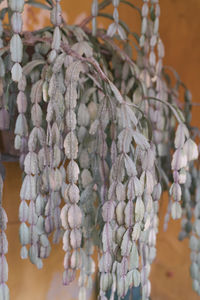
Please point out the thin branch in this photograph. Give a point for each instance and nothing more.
(195, 103)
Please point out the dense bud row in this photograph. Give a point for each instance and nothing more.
(71, 215)
(116, 27)
(4, 291)
(16, 45)
(94, 10)
(194, 238)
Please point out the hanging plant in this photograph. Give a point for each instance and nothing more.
(100, 135)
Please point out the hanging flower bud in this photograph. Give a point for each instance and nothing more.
(179, 160)
(191, 150)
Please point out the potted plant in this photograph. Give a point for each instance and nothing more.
(100, 135)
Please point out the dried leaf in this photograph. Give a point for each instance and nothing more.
(194, 243)
(128, 212)
(16, 48)
(16, 72)
(86, 178)
(29, 188)
(112, 29)
(32, 216)
(120, 192)
(64, 216)
(121, 32)
(59, 63)
(24, 234)
(83, 115)
(194, 271)
(16, 5)
(4, 269)
(116, 92)
(140, 140)
(135, 188)
(74, 216)
(75, 238)
(4, 292)
(134, 257)
(56, 39)
(124, 140)
(126, 244)
(21, 102)
(28, 68)
(108, 211)
(71, 145)
(147, 181)
(181, 134)
(72, 171)
(31, 163)
(36, 91)
(119, 234)
(136, 232)
(21, 127)
(83, 48)
(70, 120)
(190, 148)
(56, 156)
(107, 238)
(175, 191)
(105, 281)
(56, 15)
(55, 179)
(120, 212)
(176, 210)
(179, 160)
(105, 263)
(139, 210)
(130, 166)
(73, 71)
(3, 243)
(3, 219)
(33, 254)
(16, 22)
(23, 211)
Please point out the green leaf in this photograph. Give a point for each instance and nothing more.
(50, 2)
(109, 16)
(31, 65)
(38, 4)
(176, 111)
(116, 92)
(104, 3)
(131, 5)
(3, 12)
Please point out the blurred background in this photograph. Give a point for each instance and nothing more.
(179, 29)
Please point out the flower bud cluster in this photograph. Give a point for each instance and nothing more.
(16, 44)
(116, 27)
(4, 291)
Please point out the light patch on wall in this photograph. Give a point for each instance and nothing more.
(80, 18)
(35, 18)
(58, 291)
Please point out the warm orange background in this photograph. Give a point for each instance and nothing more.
(179, 29)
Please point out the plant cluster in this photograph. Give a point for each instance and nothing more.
(100, 135)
